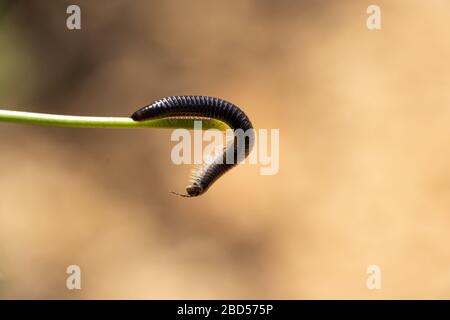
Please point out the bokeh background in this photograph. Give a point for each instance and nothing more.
(364, 165)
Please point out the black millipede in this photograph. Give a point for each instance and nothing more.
(206, 107)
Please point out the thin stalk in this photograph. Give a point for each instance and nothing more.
(103, 122)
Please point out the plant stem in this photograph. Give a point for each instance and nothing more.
(103, 122)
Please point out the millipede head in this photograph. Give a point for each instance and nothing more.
(194, 190)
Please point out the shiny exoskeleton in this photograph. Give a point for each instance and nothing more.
(206, 107)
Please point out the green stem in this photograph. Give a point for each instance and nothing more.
(103, 122)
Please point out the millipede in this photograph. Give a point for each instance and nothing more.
(200, 107)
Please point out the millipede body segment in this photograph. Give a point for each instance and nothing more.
(206, 107)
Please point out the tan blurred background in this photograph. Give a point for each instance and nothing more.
(365, 160)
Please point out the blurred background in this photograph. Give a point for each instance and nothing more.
(364, 157)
